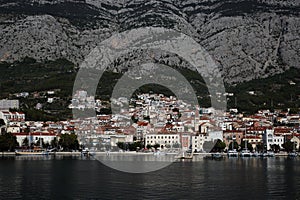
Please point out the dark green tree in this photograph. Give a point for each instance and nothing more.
(176, 145)
(219, 146)
(259, 147)
(122, 145)
(134, 119)
(2, 123)
(288, 146)
(8, 142)
(54, 143)
(40, 143)
(69, 142)
(25, 142)
(156, 146)
(249, 146)
(235, 145)
(275, 148)
(135, 146)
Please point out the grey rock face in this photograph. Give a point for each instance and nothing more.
(248, 39)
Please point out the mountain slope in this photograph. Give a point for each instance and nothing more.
(247, 38)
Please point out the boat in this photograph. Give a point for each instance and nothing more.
(292, 154)
(85, 152)
(34, 152)
(245, 153)
(159, 153)
(255, 154)
(232, 153)
(270, 154)
(184, 155)
(263, 154)
(267, 154)
(217, 155)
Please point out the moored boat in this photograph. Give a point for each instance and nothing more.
(270, 154)
(232, 153)
(292, 154)
(217, 155)
(184, 155)
(24, 153)
(159, 153)
(267, 154)
(245, 153)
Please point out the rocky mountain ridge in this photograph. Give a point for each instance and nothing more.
(247, 38)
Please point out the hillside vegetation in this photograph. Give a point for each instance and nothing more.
(280, 91)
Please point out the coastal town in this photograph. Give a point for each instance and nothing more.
(155, 122)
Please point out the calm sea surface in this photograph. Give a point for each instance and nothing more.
(78, 178)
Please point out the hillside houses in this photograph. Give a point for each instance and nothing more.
(154, 119)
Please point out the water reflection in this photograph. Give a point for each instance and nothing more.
(77, 177)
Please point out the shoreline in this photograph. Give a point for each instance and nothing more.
(282, 154)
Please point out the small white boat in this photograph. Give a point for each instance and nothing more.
(159, 153)
(255, 154)
(292, 154)
(217, 155)
(267, 154)
(184, 155)
(232, 153)
(270, 154)
(85, 152)
(245, 153)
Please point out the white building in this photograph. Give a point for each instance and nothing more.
(198, 141)
(215, 135)
(47, 137)
(164, 140)
(7, 104)
(270, 139)
(12, 116)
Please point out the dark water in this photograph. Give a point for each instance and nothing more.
(74, 178)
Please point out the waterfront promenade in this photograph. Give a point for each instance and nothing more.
(281, 154)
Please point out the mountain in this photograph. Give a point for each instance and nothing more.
(248, 39)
